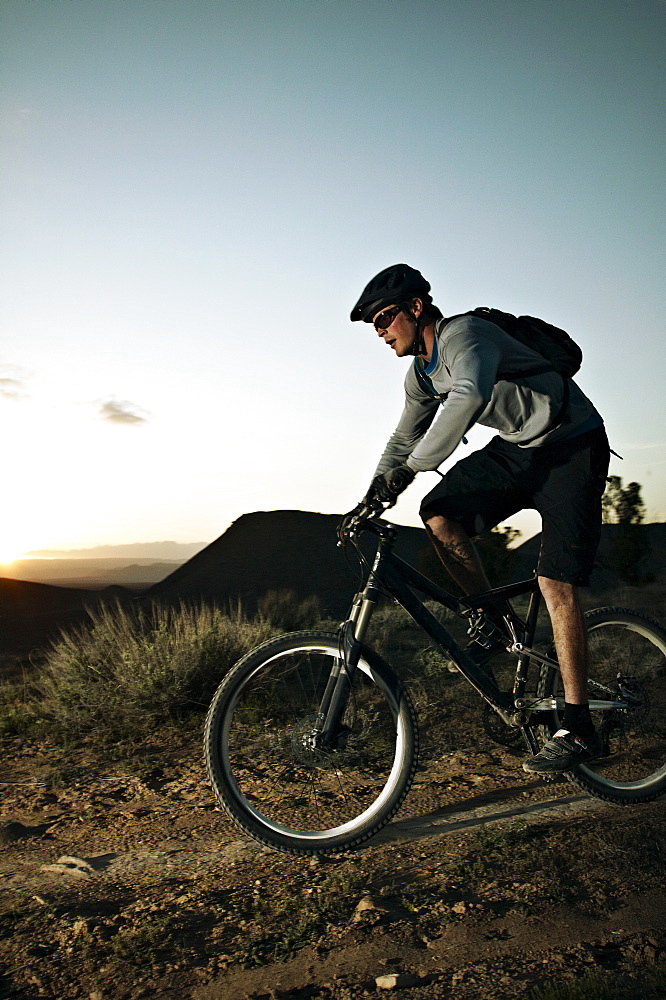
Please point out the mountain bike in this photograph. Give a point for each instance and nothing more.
(311, 739)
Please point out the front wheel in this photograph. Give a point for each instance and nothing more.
(627, 693)
(266, 767)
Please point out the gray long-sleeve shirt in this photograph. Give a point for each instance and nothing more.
(470, 353)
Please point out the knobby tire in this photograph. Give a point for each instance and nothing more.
(627, 663)
(266, 774)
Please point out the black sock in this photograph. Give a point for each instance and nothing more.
(577, 720)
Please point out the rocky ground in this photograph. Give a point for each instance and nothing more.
(120, 879)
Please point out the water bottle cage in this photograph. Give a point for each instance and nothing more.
(484, 631)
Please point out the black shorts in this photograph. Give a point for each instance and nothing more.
(563, 481)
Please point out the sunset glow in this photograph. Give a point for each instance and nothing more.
(195, 195)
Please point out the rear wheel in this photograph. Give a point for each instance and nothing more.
(268, 771)
(627, 692)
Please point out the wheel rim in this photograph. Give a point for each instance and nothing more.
(275, 774)
(627, 664)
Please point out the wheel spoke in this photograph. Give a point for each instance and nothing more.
(267, 767)
(627, 687)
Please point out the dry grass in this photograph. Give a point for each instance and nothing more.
(128, 669)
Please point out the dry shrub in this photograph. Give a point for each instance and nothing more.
(129, 669)
(288, 612)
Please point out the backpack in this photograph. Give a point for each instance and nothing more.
(555, 345)
(560, 353)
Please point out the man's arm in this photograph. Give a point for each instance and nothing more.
(472, 361)
(417, 416)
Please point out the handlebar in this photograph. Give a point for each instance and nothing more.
(368, 511)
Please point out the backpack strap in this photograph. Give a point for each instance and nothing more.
(426, 383)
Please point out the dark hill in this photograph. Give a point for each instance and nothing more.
(296, 550)
(32, 613)
(277, 550)
(604, 576)
(268, 550)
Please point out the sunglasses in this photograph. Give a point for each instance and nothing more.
(385, 318)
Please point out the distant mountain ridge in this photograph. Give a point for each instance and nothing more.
(169, 551)
(297, 550)
(33, 613)
(263, 551)
(91, 574)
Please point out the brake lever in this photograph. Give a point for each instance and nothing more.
(371, 509)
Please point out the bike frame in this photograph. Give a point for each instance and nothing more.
(390, 573)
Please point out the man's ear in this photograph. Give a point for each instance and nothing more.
(417, 307)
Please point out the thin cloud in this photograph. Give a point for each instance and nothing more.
(121, 411)
(13, 382)
(17, 118)
(11, 388)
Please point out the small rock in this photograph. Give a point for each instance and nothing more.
(67, 859)
(365, 906)
(65, 870)
(460, 907)
(396, 981)
(68, 865)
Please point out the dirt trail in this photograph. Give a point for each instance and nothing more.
(123, 880)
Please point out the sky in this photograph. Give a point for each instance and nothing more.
(195, 193)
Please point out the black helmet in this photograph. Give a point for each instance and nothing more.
(395, 284)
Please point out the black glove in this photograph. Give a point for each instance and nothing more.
(343, 526)
(389, 485)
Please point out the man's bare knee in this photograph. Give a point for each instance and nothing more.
(442, 527)
(456, 551)
(556, 593)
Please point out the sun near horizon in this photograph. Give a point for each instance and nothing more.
(16, 539)
(9, 554)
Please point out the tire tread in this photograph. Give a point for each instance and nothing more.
(294, 845)
(589, 785)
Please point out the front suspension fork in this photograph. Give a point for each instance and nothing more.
(328, 724)
(327, 727)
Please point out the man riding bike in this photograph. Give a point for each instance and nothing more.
(551, 454)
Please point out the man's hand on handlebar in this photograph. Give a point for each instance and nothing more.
(389, 485)
(368, 507)
(384, 489)
(346, 523)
